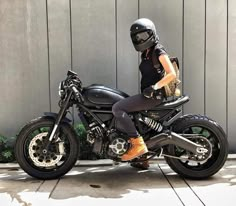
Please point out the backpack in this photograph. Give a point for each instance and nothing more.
(170, 89)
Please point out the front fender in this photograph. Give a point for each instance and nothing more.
(53, 116)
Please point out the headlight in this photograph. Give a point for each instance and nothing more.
(61, 88)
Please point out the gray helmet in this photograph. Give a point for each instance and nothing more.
(143, 34)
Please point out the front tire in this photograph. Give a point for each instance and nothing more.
(203, 126)
(29, 144)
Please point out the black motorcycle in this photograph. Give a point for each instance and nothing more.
(194, 146)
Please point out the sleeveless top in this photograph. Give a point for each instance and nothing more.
(151, 75)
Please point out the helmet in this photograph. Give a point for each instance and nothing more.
(143, 34)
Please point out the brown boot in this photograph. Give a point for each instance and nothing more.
(138, 148)
(140, 163)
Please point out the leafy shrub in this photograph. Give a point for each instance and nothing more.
(7, 149)
(86, 150)
(86, 153)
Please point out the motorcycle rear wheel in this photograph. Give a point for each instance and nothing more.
(203, 126)
(29, 144)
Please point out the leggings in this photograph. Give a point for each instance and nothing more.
(132, 104)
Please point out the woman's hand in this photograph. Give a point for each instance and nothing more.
(151, 92)
(148, 92)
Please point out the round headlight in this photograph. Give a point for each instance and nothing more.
(61, 89)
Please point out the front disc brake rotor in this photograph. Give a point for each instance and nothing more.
(35, 152)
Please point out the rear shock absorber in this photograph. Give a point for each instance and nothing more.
(152, 124)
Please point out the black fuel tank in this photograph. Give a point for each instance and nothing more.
(97, 95)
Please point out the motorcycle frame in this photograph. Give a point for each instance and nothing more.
(160, 140)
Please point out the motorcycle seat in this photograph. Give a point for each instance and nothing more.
(171, 104)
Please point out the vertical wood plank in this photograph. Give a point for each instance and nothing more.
(59, 45)
(23, 62)
(167, 17)
(94, 41)
(232, 75)
(127, 57)
(194, 40)
(216, 20)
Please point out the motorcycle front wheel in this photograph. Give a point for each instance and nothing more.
(60, 157)
(208, 133)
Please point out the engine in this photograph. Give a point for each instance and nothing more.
(95, 136)
(118, 144)
(94, 133)
(115, 145)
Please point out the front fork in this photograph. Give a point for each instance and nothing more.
(58, 119)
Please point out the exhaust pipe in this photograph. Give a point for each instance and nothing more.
(163, 139)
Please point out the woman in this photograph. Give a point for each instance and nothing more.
(145, 40)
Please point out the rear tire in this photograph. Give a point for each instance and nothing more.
(27, 135)
(214, 133)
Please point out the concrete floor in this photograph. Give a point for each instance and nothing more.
(119, 185)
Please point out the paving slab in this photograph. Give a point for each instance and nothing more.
(105, 185)
(219, 189)
(180, 186)
(120, 184)
(101, 162)
(14, 183)
(85, 163)
(116, 185)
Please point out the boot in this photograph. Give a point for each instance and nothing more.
(140, 163)
(138, 148)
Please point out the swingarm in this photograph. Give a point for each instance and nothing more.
(173, 138)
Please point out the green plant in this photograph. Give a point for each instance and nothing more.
(7, 149)
(86, 149)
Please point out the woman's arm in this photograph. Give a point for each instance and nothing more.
(170, 72)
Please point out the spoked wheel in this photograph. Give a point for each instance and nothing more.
(60, 156)
(205, 132)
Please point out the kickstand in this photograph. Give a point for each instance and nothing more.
(161, 153)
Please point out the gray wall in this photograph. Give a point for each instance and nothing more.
(41, 39)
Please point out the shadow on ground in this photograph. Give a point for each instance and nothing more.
(106, 182)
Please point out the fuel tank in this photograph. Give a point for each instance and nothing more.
(100, 96)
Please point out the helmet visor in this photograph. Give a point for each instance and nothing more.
(141, 37)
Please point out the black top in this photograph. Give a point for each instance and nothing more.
(151, 75)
